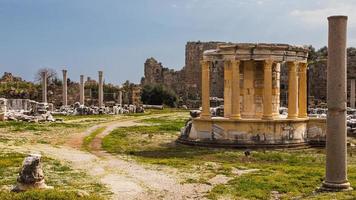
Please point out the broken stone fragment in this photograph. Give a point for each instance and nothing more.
(31, 175)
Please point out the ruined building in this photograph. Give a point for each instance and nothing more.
(187, 81)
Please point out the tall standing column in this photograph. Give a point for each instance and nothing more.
(101, 95)
(65, 101)
(44, 86)
(276, 74)
(81, 90)
(352, 93)
(120, 98)
(227, 88)
(205, 114)
(267, 89)
(302, 98)
(235, 71)
(336, 160)
(292, 90)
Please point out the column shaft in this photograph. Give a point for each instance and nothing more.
(235, 90)
(65, 102)
(44, 86)
(227, 88)
(302, 98)
(82, 95)
(120, 98)
(267, 90)
(249, 110)
(352, 93)
(100, 91)
(336, 159)
(292, 90)
(205, 114)
(276, 87)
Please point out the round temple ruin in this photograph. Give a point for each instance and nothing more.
(252, 99)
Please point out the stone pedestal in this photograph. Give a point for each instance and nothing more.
(336, 157)
(65, 78)
(31, 175)
(44, 86)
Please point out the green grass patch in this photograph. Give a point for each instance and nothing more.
(48, 195)
(19, 126)
(88, 139)
(66, 181)
(292, 173)
(133, 140)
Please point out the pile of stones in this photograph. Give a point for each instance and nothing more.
(25, 110)
(77, 109)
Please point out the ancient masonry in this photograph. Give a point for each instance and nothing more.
(187, 82)
(251, 106)
(318, 75)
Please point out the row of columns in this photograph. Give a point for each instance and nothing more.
(81, 89)
(297, 90)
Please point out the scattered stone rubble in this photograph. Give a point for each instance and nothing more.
(117, 109)
(31, 175)
(26, 110)
(32, 111)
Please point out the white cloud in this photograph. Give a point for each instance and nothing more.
(318, 16)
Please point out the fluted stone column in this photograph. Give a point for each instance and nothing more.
(227, 88)
(81, 90)
(336, 159)
(302, 98)
(235, 107)
(44, 87)
(352, 93)
(267, 90)
(101, 92)
(205, 114)
(292, 90)
(65, 101)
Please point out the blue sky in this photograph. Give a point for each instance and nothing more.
(117, 36)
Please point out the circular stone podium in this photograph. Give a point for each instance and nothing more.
(252, 99)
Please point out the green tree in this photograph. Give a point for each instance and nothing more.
(158, 95)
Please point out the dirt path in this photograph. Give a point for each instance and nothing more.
(95, 146)
(125, 178)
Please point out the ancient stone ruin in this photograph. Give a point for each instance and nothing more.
(26, 110)
(251, 111)
(31, 175)
(336, 150)
(187, 81)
